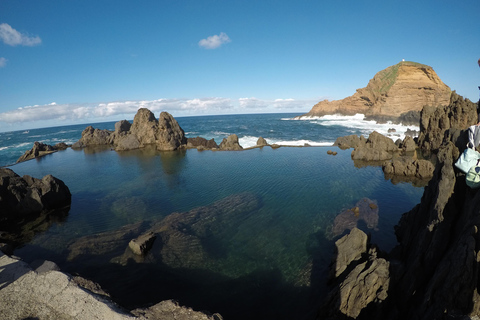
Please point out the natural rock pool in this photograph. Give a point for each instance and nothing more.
(247, 234)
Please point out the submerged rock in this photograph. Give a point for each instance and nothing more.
(142, 244)
(365, 210)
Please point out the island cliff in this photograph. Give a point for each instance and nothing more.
(395, 93)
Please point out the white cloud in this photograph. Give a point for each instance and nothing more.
(74, 112)
(47, 114)
(3, 62)
(12, 37)
(214, 41)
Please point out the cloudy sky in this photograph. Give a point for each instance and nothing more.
(65, 62)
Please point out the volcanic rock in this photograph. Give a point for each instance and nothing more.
(262, 142)
(50, 294)
(351, 141)
(361, 278)
(435, 122)
(376, 148)
(20, 197)
(230, 143)
(365, 210)
(201, 143)
(142, 244)
(409, 168)
(38, 150)
(393, 92)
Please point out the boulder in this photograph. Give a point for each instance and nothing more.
(201, 143)
(24, 196)
(230, 143)
(408, 144)
(142, 244)
(261, 142)
(169, 135)
(144, 126)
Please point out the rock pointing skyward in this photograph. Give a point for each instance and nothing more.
(393, 92)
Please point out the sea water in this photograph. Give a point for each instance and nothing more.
(273, 264)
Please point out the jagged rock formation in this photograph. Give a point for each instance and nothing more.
(165, 133)
(376, 148)
(46, 293)
(435, 122)
(261, 142)
(230, 143)
(435, 270)
(40, 149)
(394, 93)
(360, 278)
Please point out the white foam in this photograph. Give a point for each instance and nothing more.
(3, 148)
(250, 141)
(358, 123)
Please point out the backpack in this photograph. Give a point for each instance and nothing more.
(473, 177)
(467, 159)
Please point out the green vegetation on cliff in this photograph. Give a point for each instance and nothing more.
(388, 76)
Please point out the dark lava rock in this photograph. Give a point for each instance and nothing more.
(230, 143)
(201, 143)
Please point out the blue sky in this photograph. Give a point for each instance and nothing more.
(79, 61)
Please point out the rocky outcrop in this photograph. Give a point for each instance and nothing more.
(230, 143)
(351, 141)
(361, 278)
(376, 148)
(200, 143)
(24, 196)
(46, 293)
(422, 169)
(40, 149)
(165, 133)
(29, 204)
(261, 142)
(435, 123)
(393, 94)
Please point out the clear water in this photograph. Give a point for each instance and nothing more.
(273, 264)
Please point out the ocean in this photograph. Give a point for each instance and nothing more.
(269, 261)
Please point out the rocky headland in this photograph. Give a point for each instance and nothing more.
(397, 93)
(434, 271)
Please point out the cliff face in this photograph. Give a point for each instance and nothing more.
(396, 90)
(435, 269)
